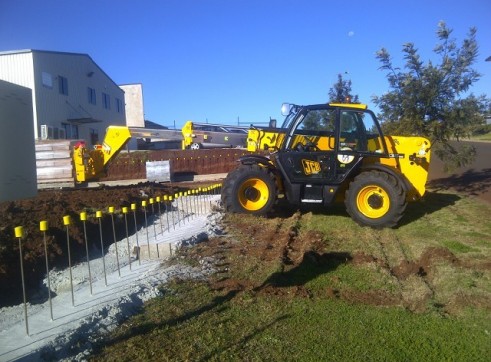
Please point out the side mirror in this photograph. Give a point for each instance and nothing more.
(286, 108)
(272, 123)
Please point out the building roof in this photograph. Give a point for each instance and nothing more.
(21, 51)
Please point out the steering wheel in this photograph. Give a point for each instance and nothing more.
(309, 146)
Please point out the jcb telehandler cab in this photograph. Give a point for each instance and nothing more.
(327, 153)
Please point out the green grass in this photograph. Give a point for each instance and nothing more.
(458, 247)
(483, 137)
(195, 323)
(332, 308)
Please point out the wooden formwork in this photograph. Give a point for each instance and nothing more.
(54, 161)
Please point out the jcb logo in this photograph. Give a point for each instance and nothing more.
(311, 167)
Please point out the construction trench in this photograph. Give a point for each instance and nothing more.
(123, 184)
(104, 245)
(85, 299)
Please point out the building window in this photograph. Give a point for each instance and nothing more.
(47, 79)
(119, 105)
(94, 136)
(91, 95)
(63, 85)
(106, 101)
(71, 131)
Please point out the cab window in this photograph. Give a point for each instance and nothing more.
(316, 130)
(358, 132)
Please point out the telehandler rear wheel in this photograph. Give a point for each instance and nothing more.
(249, 189)
(375, 199)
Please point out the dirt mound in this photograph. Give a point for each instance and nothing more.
(423, 266)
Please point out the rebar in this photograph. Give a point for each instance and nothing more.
(133, 207)
(83, 218)
(98, 215)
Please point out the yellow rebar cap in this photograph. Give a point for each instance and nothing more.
(66, 220)
(83, 216)
(43, 225)
(19, 232)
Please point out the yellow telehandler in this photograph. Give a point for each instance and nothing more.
(330, 153)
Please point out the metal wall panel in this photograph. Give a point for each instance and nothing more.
(18, 161)
(33, 68)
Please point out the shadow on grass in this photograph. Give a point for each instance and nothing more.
(470, 182)
(216, 304)
(312, 265)
(432, 201)
(241, 342)
(284, 209)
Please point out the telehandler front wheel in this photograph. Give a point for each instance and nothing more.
(375, 199)
(249, 189)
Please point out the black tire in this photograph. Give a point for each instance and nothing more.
(249, 189)
(196, 146)
(375, 199)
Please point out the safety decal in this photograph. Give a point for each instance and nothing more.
(345, 159)
(311, 167)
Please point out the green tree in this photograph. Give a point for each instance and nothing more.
(433, 100)
(340, 92)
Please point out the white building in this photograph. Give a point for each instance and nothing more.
(72, 97)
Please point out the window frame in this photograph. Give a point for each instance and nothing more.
(63, 85)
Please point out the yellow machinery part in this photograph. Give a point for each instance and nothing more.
(258, 139)
(261, 195)
(416, 161)
(90, 163)
(187, 134)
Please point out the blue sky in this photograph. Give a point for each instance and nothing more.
(227, 60)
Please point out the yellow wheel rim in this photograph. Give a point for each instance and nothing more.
(373, 201)
(253, 194)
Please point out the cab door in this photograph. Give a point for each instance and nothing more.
(313, 152)
(315, 158)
